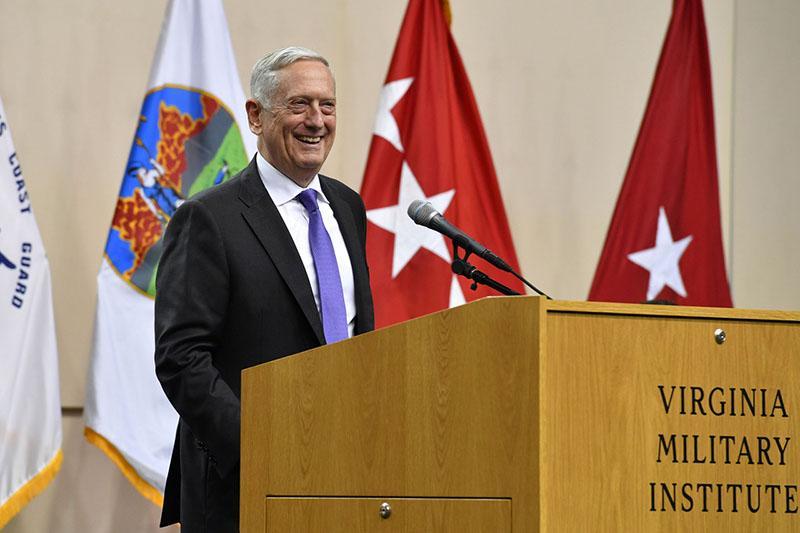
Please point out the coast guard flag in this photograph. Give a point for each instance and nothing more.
(429, 145)
(188, 138)
(30, 404)
(665, 240)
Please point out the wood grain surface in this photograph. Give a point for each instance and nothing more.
(576, 415)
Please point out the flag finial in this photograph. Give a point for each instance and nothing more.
(448, 13)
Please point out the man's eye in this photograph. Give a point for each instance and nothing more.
(329, 108)
(298, 106)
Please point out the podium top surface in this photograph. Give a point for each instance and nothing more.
(670, 310)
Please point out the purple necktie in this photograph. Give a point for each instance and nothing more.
(331, 296)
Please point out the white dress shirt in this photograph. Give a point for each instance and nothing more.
(283, 191)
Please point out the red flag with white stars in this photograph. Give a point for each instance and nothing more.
(665, 241)
(429, 145)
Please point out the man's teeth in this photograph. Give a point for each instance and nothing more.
(306, 139)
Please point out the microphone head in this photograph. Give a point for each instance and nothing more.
(421, 212)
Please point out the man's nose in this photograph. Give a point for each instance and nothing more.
(314, 116)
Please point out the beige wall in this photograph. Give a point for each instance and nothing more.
(561, 86)
(765, 205)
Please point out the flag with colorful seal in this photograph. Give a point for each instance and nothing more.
(190, 135)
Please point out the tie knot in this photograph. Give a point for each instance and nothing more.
(309, 200)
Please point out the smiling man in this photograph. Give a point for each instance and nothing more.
(267, 264)
(293, 112)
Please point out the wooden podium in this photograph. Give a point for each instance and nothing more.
(521, 414)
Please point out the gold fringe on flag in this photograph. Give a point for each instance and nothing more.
(144, 488)
(30, 490)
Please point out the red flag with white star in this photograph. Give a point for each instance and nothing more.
(665, 241)
(429, 145)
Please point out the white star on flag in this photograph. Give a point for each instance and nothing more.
(662, 260)
(408, 236)
(385, 124)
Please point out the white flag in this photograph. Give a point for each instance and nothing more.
(30, 404)
(189, 137)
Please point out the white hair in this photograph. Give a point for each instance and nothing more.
(264, 76)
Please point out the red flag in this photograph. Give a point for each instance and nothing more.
(429, 144)
(665, 241)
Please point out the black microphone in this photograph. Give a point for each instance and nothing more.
(424, 214)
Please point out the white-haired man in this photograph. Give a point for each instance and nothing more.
(267, 264)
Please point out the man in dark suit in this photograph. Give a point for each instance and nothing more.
(265, 265)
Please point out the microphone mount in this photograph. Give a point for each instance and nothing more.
(461, 267)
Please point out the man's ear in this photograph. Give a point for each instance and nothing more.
(253, 109)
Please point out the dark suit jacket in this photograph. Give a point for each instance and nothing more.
(232, 293)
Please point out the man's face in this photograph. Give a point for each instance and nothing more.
(296, 135)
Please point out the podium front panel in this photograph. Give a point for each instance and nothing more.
(669, 423)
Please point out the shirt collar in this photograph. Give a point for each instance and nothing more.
(280, 187)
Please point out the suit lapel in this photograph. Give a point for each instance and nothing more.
(347, 225)
(264, 219)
